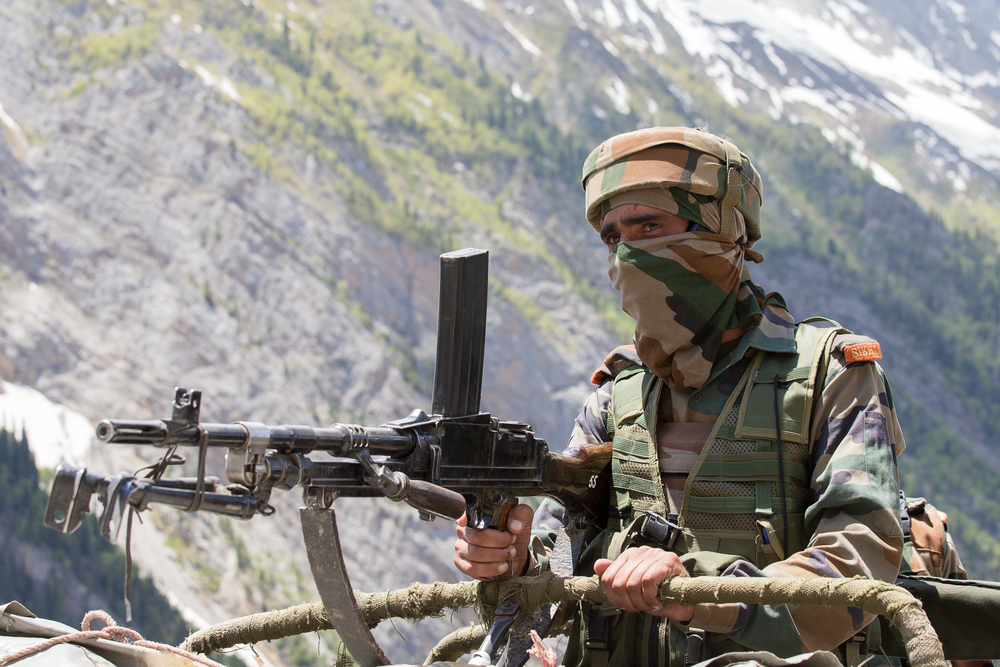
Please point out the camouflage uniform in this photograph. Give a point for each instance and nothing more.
(841, 469)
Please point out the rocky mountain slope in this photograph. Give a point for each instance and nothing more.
(248, 197)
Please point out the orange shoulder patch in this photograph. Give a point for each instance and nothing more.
(870, 351)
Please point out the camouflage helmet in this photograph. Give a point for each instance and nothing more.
(688, 162)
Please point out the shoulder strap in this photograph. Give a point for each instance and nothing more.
(751, 372)
(635, 471)
(798, 375)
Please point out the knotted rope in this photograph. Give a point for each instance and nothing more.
(422, 600)
(112, 632)
(416, 602)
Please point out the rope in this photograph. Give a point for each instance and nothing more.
(421, 600)
(416, 602)
(112, 632)
(902, 610)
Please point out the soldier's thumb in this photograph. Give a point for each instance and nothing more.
(519, 524)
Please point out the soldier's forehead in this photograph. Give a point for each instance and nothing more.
(631, 211)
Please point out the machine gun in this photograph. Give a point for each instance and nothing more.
(456, 460)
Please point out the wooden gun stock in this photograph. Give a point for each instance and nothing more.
(580, 478)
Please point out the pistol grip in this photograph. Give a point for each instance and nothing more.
(501, 517)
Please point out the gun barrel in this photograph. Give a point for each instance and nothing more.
(338, 439)
(152, 432)
(158, 433)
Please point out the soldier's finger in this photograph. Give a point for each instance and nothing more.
(645, 585)
(640, 580)
(480, 570)
(660, 566)
(488, 537)
(669, 566)
(606, 569)
(476, 554)
(520, 524)
(601, 569)
(615, 581)
(519, 520)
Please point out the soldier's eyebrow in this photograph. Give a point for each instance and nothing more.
(642, 218)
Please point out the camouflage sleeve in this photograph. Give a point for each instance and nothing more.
(852, 519)
(590, 427)
(952, 567)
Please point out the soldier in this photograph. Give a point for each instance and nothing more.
(760, 447)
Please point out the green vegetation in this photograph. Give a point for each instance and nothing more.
(939, 466)
(305, 650)
(83, 564)
(951, 294)
(112, 50)
(941, 289)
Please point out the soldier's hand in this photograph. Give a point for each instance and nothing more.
(632, 581)
(488, 553)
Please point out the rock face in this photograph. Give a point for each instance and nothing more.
(139, 250)
(157, 229)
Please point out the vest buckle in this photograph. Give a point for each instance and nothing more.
(696, 646)
(659, 530)
(598, 634)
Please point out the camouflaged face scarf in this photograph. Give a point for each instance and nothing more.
(681, 290)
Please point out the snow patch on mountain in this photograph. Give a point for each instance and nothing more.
(55, 433)
(525, 43)
(620, 98)
(13, 127)
(912, 77)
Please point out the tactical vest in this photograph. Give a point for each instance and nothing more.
(733, 503)
(733, 500)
